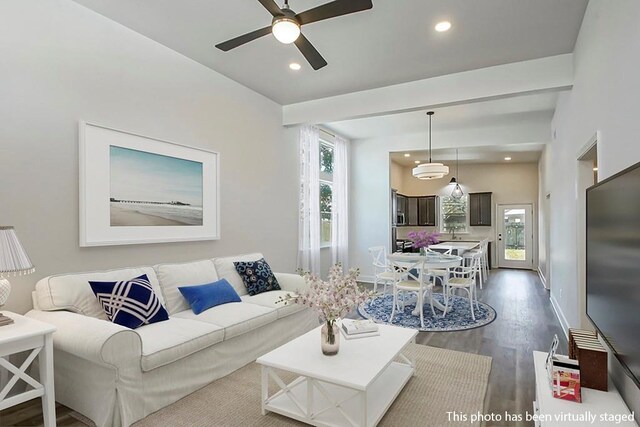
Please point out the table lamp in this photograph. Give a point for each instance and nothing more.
(14, 261)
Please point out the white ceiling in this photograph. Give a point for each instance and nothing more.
(519, 153)
(392, 43)
(498, 112)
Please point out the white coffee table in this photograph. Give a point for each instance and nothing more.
(353, 388)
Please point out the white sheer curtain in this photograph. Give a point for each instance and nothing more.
(309, 201)
(340, 203)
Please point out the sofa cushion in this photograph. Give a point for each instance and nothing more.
(171, 276)
(166, 342)
(257, 276)
(227, 270)
(72, 291)
(269, 299)
(130, 303)
(236, 317)
(203, 297)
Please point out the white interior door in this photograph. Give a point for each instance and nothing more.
(515, 236)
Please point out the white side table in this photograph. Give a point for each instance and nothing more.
(23, 335)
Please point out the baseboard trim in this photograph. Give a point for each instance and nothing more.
(366, 279)
(560, 315)
(542, 278)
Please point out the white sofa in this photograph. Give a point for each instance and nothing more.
(116, 376)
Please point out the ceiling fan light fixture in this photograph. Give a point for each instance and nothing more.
(285, 29)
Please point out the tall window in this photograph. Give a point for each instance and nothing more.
(326, 192)
(454, 214)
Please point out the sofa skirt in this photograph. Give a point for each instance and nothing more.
(111, 397)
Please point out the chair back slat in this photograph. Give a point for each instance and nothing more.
(378, 254)
(411, 267)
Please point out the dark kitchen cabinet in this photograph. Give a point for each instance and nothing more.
(427, 211)
(480, 209)
(412, 211)
(401, 202)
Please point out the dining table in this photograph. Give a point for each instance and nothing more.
(457, 248)
(432, 261)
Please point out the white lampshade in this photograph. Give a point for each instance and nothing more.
(430, 171)
(285, 29)
(13, 258)
(13, 261)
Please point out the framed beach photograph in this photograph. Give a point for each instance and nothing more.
(136, 189)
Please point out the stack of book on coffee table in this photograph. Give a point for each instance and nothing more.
(4, 320)
(354, 329)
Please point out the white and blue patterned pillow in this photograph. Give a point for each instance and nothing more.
(130, 303)
(257, 276)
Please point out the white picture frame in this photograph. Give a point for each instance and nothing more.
(116, 209)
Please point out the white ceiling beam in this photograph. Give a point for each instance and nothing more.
(552, 73)
(523, 132)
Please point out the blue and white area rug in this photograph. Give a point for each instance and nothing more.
(458, 316)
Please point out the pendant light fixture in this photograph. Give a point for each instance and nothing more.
(430, 170)
(457, 192)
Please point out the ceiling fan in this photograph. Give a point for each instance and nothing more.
(286, 24)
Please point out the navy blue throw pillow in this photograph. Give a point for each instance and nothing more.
(203, 297)
(130, 303)
(257, 276)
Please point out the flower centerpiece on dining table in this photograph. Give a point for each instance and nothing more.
(423, 239)
(331, 299)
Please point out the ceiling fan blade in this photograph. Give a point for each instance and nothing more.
(310, 53)
(271, 6)
(332, 9)
(246, 38)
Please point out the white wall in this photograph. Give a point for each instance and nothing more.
(396, 176)
(544, 217)
(62, 63)
(510, 183)
(605, 99)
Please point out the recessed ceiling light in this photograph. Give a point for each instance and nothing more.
(443, 26)
(294, 66)
(417, 162)
(407, 155)
(507, 158)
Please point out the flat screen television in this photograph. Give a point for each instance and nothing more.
(613, 265)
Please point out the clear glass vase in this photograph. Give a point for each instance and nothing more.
(423, 251)
(330, 338)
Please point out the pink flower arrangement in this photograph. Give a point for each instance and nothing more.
(423, 239)
(334, 298)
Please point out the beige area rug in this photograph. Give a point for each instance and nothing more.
(445, 381)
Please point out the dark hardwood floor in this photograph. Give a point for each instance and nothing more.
(525, 322)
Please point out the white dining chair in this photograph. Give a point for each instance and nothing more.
(381, 270)
(410, 276)
(441, 274)
(465, 278)
(483, 265)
